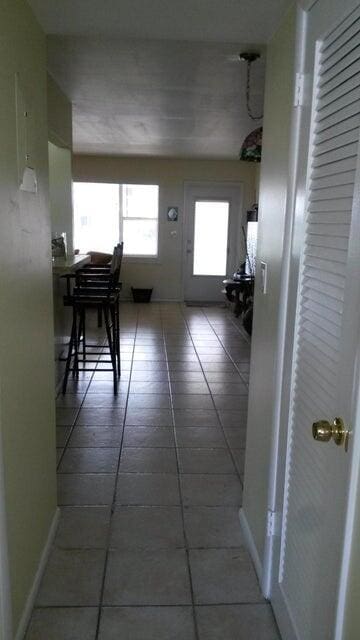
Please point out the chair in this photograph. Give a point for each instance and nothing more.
(100, 264)
(98, 289)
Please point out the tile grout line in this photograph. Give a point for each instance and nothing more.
(212, 399)
(245, 382)
(72, 427)
(187, 550)
(113, 503)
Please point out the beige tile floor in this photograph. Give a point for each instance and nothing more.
(149, 545)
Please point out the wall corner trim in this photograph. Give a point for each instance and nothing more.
(250, 543)
(29, 605)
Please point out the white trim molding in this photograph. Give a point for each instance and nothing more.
(25, 618)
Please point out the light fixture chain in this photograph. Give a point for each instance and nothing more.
(250, 114)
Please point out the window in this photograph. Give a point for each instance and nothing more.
(139, 209)
(105, 213)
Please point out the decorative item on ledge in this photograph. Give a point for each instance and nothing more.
(252, 146)
(59, 246)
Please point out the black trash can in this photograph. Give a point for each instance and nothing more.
(141, 295)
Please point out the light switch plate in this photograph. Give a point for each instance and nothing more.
(263, 269)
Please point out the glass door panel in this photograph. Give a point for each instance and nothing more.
(211, 228)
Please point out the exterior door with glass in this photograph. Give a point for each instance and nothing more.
(213, 238)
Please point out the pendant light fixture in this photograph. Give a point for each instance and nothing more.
(251, 148)
(249, 58)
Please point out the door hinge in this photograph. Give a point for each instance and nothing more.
(274, 520)
(299, 90)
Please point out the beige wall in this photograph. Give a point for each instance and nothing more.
(166, 275)
(26, 325)
(272, 203)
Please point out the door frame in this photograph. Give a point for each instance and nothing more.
(293, 237)
(207, 184)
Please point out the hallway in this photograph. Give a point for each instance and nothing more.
(149, 545)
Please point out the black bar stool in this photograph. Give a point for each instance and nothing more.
(99, 289)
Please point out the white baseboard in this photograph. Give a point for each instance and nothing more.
(25, 618)
(250, 543)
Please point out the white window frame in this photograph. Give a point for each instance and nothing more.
(137, 257)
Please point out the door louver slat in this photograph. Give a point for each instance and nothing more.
(322, 311)
(336, 142)
(324, 300)
(331, 242)
(344, 178)
(326, 265)
(348, 164)
(343, 45)
(336, 106)
(338, 37)
(339, 69)
(327, 121)
(342, 127)
(324, 277)
(323, 287)
(347, 151)
(331, 192)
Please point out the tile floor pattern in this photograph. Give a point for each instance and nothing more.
(149, 545)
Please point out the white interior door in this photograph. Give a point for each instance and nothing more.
(309, 576)
(212, 239)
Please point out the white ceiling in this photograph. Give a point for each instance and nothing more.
(158, 77)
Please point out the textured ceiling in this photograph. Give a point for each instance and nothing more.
(154, 97)
(158, 77)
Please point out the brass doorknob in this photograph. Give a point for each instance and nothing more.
(323, 431)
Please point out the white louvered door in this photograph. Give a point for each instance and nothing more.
(326, 331)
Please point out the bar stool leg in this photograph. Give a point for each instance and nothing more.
(76, 349)
(115, 335)
(111, 346)
(84, 333)
(117, 320)
(73, 338)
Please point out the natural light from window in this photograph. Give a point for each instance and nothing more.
(96, 216)
(140, 204)
(107, 213)
(210, 238)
